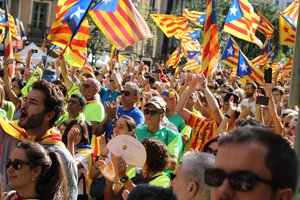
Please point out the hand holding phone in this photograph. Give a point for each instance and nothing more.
(34, 50)
(268, 75)
(262, 100)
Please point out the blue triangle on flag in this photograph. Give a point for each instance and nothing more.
(228, 50)
(194, 35)
(243, 67)
(234, 12)
(201, 19)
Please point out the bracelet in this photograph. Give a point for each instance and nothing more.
(226, 115)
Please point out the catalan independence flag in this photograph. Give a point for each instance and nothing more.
(242, 21)
(230, 53)
(69, 17)
(189, 34)
(11, 21)
(8, 52)
(211, 55)
(196, 17)
(190, 47)
(264, 25)
(120, 22)
(174, 59)
(288, 24)
(171, 25)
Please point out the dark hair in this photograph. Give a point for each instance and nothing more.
(216, 96)
(280, 160)
(149, 192)
(54, 100)
(21, 84)
(279, 89)
(84, 131)
(254, 85)
(263, 91)
(151, 78)
(157, 155)
(51, 184)
(236, 98)
(249, 122)
(131, 125)
(209, 142)
(81, 99)
(62, 88)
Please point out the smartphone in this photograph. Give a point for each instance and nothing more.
(34, 50)
(268, 75)
(262, 100)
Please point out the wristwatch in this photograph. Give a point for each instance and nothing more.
(124, 179)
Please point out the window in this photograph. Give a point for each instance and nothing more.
(39, 16)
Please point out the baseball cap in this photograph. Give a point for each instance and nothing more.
(171, 93)
(158, 102)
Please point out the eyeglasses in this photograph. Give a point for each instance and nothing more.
(126, 93)
(16, 164)
(211, 151)
(211, 87)
(152, 112)
(243, 181)
(111, 81)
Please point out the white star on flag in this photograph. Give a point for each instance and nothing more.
(233, 10)
(230, 51)
(77, 13)
(1, 18)
(201, 20)
(107, 1)
(244, 67)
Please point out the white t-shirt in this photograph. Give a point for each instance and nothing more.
(245, 102)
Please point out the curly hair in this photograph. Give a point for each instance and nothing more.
(51, 184)
(54, 99)
(157, 155)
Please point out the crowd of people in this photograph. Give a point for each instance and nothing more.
(205, 138)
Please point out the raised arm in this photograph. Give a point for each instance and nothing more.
(64, 72)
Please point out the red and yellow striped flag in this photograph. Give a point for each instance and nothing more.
(265, 26)
(123, 26)
(171, 25)
(210, 45)
(11, 21)
(196, 17)
(174, 59)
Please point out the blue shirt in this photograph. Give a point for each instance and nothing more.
(107, 95)
(135, 113)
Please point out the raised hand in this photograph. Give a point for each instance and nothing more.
(107, 170)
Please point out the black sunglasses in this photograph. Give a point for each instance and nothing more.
(16, 164)
(111, 81)
(243, 181)
(126, 93)
(152, 112)
(86, 86)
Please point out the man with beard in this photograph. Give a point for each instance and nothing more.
(250, 90)
(39, 111)
(253, 163)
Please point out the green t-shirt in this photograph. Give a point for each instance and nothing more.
(161, 180)
(177, 120)
(171, 139)
(73, 90)
(10, 110)
(94, 111)
(66, 117)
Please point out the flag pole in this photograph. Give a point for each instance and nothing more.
(73, 35)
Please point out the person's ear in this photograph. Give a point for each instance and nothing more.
(49, 115)
(284, 194)
(192, 188)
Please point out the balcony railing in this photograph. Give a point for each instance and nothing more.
(37, 32)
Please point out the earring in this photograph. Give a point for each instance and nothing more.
(33, 179)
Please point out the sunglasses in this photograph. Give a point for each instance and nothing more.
(86, 86)
(111, 81)
(152, 112)
(126, 93)
(242, 181)
(16, 164)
